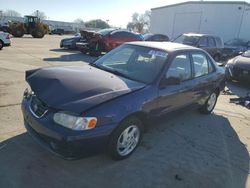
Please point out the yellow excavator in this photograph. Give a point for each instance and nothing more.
(32, 25)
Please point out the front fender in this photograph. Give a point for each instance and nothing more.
(114, 111)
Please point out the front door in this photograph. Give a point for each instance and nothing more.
(175, 96)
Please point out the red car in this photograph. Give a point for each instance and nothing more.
(108, 39)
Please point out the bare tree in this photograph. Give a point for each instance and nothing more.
(39, 14)
(140, 22)
(80, 23)
(11, 13)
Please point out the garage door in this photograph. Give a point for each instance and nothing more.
(186, 22)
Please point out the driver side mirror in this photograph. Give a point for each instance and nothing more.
(170, 81)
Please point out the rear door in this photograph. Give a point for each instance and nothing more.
(173, 97)
(204, 78)
(115, 39)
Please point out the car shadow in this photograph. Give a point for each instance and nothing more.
(192, 150)
(64, 50)
(75, 56)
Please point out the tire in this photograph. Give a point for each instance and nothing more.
(84, 51)
(18, 33)
(1, 45)
(217, 57)
(37, 33)
(209, 105)
(128, 133)
(96, 50)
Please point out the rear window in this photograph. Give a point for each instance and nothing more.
(187, 39)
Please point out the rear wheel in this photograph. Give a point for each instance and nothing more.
(18, 32)
(1, 45)
(209, 105)
(125, 139)
(37, 33)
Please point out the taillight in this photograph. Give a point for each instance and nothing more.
(8, 36)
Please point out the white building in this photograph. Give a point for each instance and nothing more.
(227, 19)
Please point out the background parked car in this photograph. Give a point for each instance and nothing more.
(57, 32)
(4, 39)
(238, 68)
(235, 47)
(155, 37)
(70, 43)
(211, 43)
(108, 39)
(82, 44)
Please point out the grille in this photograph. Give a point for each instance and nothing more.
(37, 107)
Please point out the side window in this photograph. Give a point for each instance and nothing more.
(211, 42)
(123, 34)
(180, 68)
(203, 42)
(156, 38)
(210, 66)
(117, 34)
(200, 64)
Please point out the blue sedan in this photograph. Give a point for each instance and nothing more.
(76, 111)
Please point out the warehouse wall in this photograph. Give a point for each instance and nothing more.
(220, 19)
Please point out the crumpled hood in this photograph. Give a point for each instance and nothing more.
(77, 89)
(242, 62)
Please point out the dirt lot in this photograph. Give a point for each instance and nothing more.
(192, 150)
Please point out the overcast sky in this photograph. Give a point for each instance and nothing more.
(118, 12)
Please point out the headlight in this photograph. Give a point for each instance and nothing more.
(75, 122)
(28, 92)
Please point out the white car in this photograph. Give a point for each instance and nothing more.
(4, 39)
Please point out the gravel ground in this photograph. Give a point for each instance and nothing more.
(186, 150)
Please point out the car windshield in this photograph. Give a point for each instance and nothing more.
(187, 39)
(236, 42)
(105, 31)
(246, 53)
(138, 63)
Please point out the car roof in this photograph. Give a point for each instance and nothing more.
(167, 46)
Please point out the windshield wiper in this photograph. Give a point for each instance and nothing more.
(118, 73)
(95, 65)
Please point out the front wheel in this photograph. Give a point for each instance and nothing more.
(125, 138)
(209, 105)
(96, 50)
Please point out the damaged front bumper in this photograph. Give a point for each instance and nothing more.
(64, 142)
